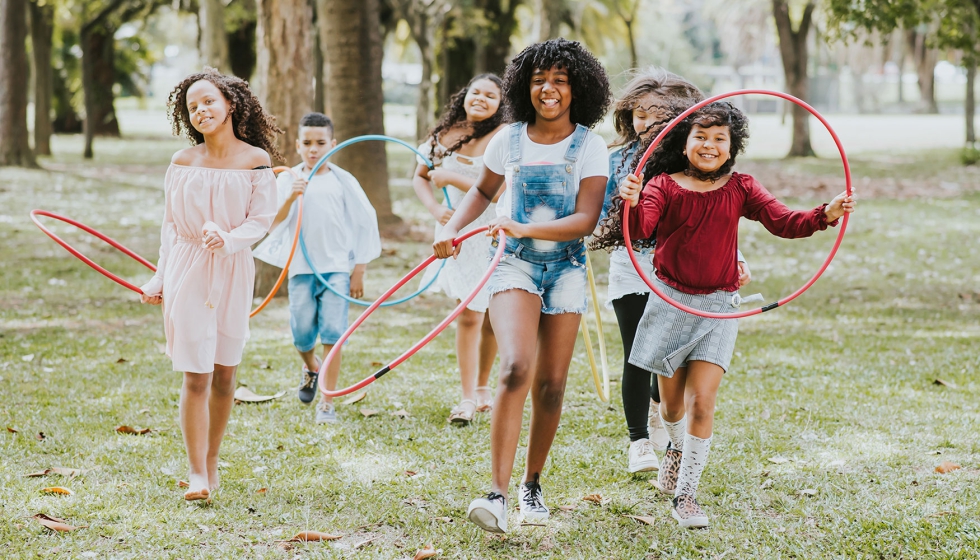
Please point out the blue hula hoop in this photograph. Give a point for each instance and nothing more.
(302, 242)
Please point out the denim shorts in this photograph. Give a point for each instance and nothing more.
(561, 285)
(315, 310)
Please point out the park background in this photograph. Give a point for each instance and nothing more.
(831, 425)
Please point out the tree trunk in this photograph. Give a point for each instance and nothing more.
(794, 54)
(284, 74)
(457, 66)
(970, 105)
(354, 50)
(42, 29)
(98, 77)
(551, 14)
(423, 111)
(242, 43)
(212, 43)
(322, 103)
(319, 88)
(15, 147)
(925, 59)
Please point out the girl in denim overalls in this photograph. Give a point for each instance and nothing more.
(556, 173)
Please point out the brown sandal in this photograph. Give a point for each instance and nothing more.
(484, 399)
(460, 415)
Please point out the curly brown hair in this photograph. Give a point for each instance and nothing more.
(248, 119)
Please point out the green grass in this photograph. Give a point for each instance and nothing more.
(838, 387)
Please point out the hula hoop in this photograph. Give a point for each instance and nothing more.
(601, 387)
(302, 241)
(292, 250)
(425, 340)
(826, 263)
(132, 254)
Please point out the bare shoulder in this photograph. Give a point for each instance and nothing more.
(255, 157)
(187, 156)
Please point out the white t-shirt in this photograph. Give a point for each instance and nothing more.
(340, 227)
(593, 160)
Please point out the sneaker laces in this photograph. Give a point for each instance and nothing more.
(494, 496)
(646, 448)
(324, 406)
(532, 494)
(309, 381)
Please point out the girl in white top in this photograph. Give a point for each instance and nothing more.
(456, 146)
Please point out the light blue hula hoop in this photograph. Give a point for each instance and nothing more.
(302, 243)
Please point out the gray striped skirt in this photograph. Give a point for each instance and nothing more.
(667, 338)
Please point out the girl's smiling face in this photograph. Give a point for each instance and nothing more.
(646, 113)
(482, 100)
(708, 148)
(207, 107)
(551, 93)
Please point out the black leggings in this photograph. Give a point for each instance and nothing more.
(637, 386)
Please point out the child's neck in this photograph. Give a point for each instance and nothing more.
(550, 132)
(222, 144)
(324, 169)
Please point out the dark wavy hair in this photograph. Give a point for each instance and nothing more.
(454, 113)
(248, 119)
(590, 85)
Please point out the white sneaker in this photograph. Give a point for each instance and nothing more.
(643, 458)
(658, 435)
(532, 501)
(489, 513)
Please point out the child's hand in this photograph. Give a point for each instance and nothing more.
(840, 205)
(357, 283)
(508, 226)
(443, 245)
(152, 300)
(441, 213)
(212, 240)
(441, 178)
(744, 274)
(630, 188)
(299, 187)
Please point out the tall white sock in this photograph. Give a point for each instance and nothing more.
(693, 460)
(676, 431)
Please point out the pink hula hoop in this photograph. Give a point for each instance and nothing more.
(823, 267)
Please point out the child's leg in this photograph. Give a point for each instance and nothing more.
(309, 359)
(556, 343)
(488, 351)
(515, 315)
(700, 391)
(220, 403)
(332, 322)
(194, 420)
(333, 370)
(468, 327)
(636, 380)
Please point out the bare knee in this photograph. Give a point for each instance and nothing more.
(469, 320)
(223, 382)
(700, 407)
(514, 375)
(197, 383)
(549, 394)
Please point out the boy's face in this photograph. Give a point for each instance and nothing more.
(551, 93)
(708, 148)
(313, 142)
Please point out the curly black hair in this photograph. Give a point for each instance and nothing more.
(590, 85)
(455, 113)
(249, 120)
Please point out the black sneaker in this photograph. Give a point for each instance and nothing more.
(307, 388)
(532, 501)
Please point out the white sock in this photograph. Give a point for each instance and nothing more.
(676, 431)
(693, 460)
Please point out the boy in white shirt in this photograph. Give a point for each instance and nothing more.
(340, 230)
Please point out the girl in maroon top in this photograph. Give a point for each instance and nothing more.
(694, 213)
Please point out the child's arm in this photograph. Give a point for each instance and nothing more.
(423, 190)
(357, 281)
(299, 187)
(258, 218)
(644, 211)
(779, 220)
(153, 290)
(474, 203)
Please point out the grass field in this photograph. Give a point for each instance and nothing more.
(830, 424)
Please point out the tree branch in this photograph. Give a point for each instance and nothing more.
(106, 12)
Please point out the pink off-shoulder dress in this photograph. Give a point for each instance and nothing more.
(207, 295)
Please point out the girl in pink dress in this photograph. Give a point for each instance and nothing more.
(220, 199)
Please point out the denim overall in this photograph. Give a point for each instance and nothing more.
(555, 271)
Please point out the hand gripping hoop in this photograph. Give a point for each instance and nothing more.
(132, 254)
(826, 263)
(332, 355)
(302, 242)
(601, 387)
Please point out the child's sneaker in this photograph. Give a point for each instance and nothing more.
(670, 468)
(642, 456)
(307, 387)
(532, 501)
(489, 513)
(688, 513)
(658, 435)
(325, 413)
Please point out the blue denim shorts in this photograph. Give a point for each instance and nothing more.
(315, 310)
(561, 285)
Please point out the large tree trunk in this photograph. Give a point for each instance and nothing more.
(15, 147)
(319, 87)
(354, 49)
(98, 77)
(549, 17)
(970, 105)
(213, 43)
(42, 29)
(925, 59)
(242, 43)
(457, 65)
(461, 58)
(793, 50)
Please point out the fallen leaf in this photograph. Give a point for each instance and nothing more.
(261, 490)
(121, 361)
(12, 430)
(183, 484)
(70, 473)
(428, 552)
(942, 514)
(244, 394)
(367, 412)
(594, 498)
(401, 413)
(40, 436)
(443, 519)
(568, 508)
(778, 460)
(411, 473)
(356, 397)
(376, 364)
(313, 536)
(365, 542)
(645, 520)
(134, 431)
(55, 524)
(947, 467)
(808, 492)
(285, 545)
(57, 490)
(945, 383)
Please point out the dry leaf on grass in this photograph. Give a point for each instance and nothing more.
(57, 490)
(261, 490)
(70, 473)
(244, 394)
(356, 397)
(134, 431)
(183, 484)
(594, 498)
(645, 520)
(942, 514)
(313, 536)
(12, 430)
(377, 364)
(40, 436)
(945, 383)
(121, 361)
(56, 524)
(947, 467)
(367, 412)
(428, 552)
(285, 545)
(401, 413)
(411, 473)
(568, 508)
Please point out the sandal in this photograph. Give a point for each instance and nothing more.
(484, 399)
(462, 414)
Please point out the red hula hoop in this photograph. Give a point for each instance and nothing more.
(826, 263)
(425, 340)
(133, 255)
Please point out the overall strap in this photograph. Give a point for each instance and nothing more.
(579, 137)
(516, 130)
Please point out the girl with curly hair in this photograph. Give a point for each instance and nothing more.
(555, 171)
(648, 103)
(693, 208)
(220, 199)
(456, 145)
